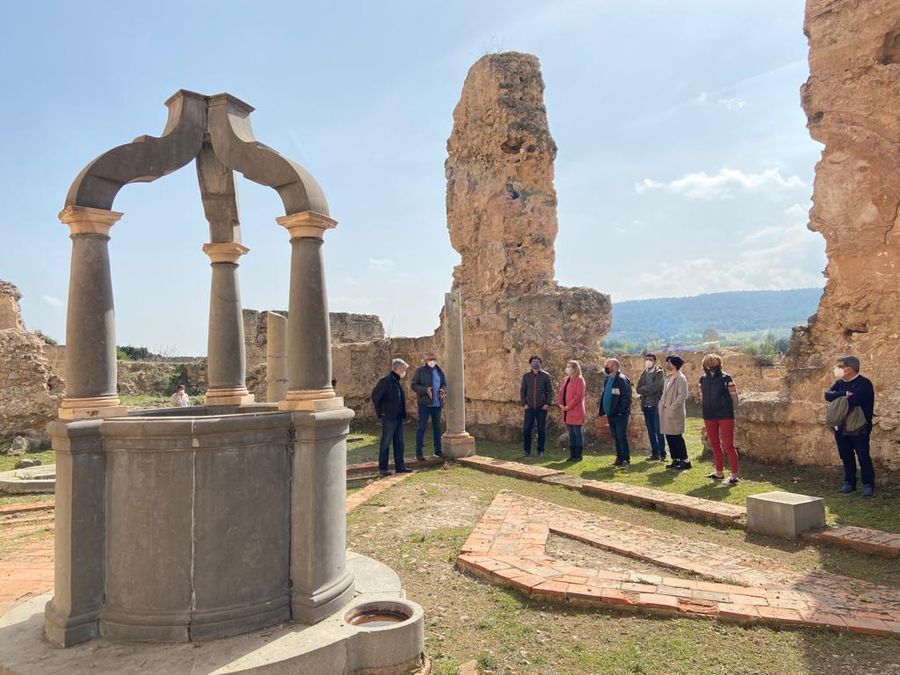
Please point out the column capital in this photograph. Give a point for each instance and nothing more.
(307, 224)
(224, 252)
(88, 220)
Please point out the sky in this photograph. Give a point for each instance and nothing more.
(684, 163)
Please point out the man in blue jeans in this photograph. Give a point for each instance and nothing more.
(389, 400)
(859, 392)
(536, 397)
(615, 404)
(430, 385)
(649, 388)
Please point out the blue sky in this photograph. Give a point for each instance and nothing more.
(684, 163)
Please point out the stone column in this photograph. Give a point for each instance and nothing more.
(456, 441)
(72, 616)
(276, 357)
(309, 329)
(225, 356)
(90, 318)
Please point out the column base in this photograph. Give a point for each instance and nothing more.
(65, 631)
(311, 400)
(89, 408)
(230, 396)
(312, 609)
(457, 445)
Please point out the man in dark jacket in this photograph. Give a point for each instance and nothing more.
(430, 386)
(536, 396)
(649, 388)
(859, 392)
(615, 404)
(389, 400)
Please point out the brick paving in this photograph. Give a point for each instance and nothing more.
(365, 494)
(508, 546)
(508, 468)
(864, 540)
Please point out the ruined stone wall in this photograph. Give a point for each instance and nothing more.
(28, 387)
(501, 214)
(851, 101)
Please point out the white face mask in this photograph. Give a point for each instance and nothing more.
(568, 370)
(649, 364)
(401, 374)
(839, 373)
(432, 364)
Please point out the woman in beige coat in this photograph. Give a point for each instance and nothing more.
(672, 413)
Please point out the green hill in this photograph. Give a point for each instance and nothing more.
(734, 316)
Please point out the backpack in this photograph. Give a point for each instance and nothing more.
(855, 422)
(836, 412)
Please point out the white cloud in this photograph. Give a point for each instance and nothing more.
(722, 185)
(381, 264)
(732, 104)
(52, 301)
(776, 256)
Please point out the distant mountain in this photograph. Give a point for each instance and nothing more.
(732, 313)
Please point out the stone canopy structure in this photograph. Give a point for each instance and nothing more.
(851, 101)
(204, 522)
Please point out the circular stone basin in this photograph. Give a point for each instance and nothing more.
(378, 614)
(32, 479)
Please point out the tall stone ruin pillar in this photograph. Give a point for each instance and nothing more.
(320, 581)
(225, 356)
(456, 441)
(276, 357)
(90, 318)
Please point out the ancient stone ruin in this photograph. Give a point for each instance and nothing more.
(851, 101)
(198, 523)
(29, 389)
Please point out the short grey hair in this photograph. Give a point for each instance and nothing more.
(850, 362)
(399, 363)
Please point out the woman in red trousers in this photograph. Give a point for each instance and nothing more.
(571, 403)
(718, 399)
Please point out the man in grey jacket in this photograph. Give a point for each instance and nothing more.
(649, 388)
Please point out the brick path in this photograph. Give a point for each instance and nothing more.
(508, 546)
(861, 539)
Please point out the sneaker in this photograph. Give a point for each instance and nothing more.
(674, 464)
(404, 469)
(526, 454)
(685, 465)
(618, 462)
(420, 458)
(384, 473)
(715, 476)
(438, 453)
(571, 459)
(540, 454)
(868, 491)
(653, 458)
(624, 466)
(846, 488)
(732, 480)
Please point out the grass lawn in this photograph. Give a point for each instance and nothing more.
(418, 526)
(882, 513)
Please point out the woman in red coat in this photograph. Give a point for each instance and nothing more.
(571, 403)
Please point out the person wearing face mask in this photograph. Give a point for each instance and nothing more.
(649, 388)
(571, 403)
(672, 413)
(615, 404)
(535, 395)
(389, 400)
(860, 393)
(718, 400)
(430, 386)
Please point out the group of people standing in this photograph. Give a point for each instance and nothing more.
(663, 403)
(663, 393)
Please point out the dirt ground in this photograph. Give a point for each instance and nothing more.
(418, 526)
